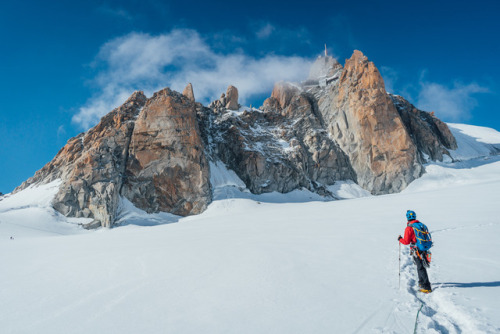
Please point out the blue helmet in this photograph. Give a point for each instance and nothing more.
(411, 215)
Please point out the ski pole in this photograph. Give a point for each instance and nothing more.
(399, 265)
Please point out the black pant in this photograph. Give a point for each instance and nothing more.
(423, 279)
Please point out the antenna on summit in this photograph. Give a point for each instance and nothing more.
(326, 52)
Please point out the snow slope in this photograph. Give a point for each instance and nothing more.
(474, 141)
(29, 214)
(260, 264)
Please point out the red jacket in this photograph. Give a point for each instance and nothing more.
(409, 237)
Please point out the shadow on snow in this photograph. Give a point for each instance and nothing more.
(469, 285)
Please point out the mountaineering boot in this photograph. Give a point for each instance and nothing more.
(425, 290)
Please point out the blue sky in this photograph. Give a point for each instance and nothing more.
(65, 63)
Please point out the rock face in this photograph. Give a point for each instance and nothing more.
(167, 169)
(339, 124)
(431, 136)
(280, 150)
(365, 123)
(92, 165)
(151, 161)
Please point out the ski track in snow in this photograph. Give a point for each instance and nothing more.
(464, 227)
(439, 313)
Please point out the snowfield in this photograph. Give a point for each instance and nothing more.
(273, 263)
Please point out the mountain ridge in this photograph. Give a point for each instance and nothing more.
(340, 124)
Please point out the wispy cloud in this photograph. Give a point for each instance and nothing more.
(61, 131)
(116, 12)
(265, 31)
(268, 34)
(451, 103)
(147, 62)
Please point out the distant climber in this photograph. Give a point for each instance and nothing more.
(418, 237)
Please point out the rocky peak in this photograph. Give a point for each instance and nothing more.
(361, 73)
(232, 98)
(358, 70)
(227, 101)
(166, 168)
(357, 56)
(365, 123)
(188, 92)
(130, 152)
(137, 97)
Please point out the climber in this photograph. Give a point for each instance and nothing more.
(418, 237)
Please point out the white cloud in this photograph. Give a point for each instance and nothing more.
(144, 62)
(265, 31)
(450, 103)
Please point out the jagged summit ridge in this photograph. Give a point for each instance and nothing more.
(339, 124)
